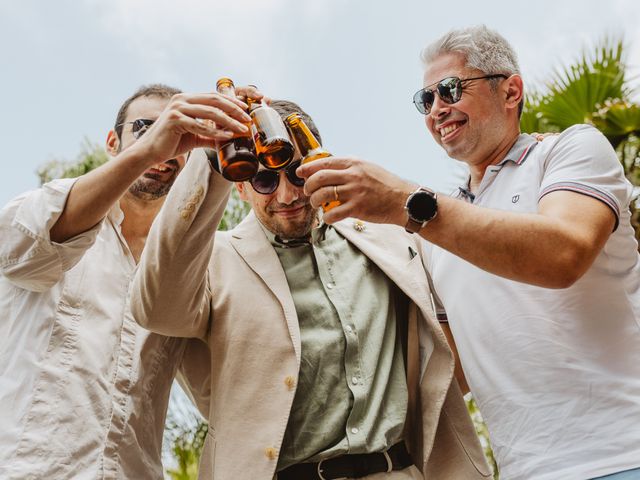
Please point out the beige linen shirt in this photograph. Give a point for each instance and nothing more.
(83, 389)
(229, 288)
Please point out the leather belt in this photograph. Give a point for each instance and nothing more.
(355, 465)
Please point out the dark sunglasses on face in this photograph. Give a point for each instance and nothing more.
(138, 127)
(448, 89)
(266, 181)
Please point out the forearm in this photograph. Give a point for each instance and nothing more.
(93, 194)
(530, 248)
(551, 247)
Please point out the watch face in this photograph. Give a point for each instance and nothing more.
(422, 206)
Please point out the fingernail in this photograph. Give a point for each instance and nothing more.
(246, 117)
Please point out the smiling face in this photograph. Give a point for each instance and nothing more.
(286, 212)
(471, 129)
(156, 181)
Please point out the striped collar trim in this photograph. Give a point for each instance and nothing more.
(520, 150)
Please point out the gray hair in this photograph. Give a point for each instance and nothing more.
(482, 48)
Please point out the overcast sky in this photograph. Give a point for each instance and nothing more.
(352, 64)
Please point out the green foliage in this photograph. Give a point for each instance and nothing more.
(234, 213)
(187, 448)
(618, 120)
(575, 93)
(91, 156)
(483, 434)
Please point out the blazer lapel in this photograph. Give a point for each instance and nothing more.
(252, 245)
(398, 260)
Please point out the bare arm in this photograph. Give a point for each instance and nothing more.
(175, 133)
(551, 248)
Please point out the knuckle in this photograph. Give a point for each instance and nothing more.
(173, 115)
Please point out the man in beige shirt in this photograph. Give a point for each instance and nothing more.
(83, 389)
(326, 360)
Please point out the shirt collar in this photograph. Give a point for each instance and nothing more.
(517, 155)
(316, 235)
(520, 150)
(116, 215)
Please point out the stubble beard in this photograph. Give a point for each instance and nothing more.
(150, 188)
(291, 230)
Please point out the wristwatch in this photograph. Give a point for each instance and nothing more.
(421, 207)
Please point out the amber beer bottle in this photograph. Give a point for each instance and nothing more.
(236, 159)
(273, 145)
(308, 146)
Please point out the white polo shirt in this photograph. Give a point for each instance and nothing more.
(556, 373)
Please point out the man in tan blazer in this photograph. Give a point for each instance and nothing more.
(326, 359)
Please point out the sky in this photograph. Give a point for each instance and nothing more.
(352, 64)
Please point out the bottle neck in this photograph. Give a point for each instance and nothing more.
(253, 104)
(304, 139)
(225, 86)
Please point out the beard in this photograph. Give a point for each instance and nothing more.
(290, 229)
(150, 186)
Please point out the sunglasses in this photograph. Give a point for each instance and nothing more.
(266, 181)
(448, 89)
(138, 127)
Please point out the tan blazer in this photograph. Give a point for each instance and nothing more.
(234, 294)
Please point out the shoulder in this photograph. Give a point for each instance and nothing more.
(577, 137)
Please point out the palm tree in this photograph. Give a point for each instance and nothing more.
(595, 90)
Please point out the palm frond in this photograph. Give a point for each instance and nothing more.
(577, 91)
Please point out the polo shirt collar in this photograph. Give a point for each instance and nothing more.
(520, 150)
(516, 155)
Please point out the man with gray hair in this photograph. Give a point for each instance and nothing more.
(534, 262)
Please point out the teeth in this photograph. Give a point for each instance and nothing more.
(448, 129)
(161, 168)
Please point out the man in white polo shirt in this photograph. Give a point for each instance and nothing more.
(534, 261)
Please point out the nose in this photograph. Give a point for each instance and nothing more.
(286, 193)
(439, 109)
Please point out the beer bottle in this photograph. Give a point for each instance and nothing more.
(273, 145)
(236, 159)
(308, 146)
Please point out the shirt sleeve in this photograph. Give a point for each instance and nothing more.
(583, 161)
(28, 257)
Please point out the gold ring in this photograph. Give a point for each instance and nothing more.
(335, 193)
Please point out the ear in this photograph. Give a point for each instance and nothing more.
(513, 89)
(241, 186)
(113, 143)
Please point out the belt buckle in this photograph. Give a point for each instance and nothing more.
(322, 477)
(389, 462)
(319, 471)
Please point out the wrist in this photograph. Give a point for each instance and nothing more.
(399, 210)
(421, 207)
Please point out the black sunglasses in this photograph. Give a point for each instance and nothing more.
(266, 181)
(139, 126)
(448, 89)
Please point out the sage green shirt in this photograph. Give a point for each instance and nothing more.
(351, 394)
